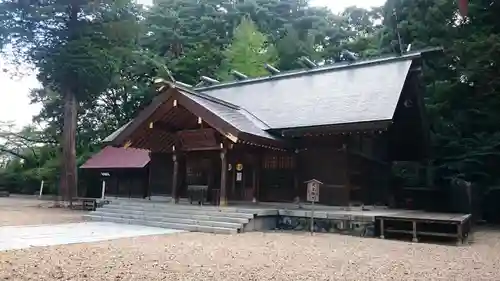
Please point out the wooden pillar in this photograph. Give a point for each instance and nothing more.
(382, 228)
(296, 175)
(254, 183)
(223, 177)
(175, 182)
(347, 175)
(149, 182)
(460, 236)
(258, 176)
(415, 238)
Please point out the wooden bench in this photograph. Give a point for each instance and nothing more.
(87, 204)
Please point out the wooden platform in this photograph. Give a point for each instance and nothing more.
(418, 224)
(425, 216)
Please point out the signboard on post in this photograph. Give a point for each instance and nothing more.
(313, 196)
(313, 190)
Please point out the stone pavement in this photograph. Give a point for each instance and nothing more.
(21, 237)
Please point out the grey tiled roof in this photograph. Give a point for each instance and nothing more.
(363, 91)
(360, 92)
(234, 115)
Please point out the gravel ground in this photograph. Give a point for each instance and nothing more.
(29, 211)
(257, 256)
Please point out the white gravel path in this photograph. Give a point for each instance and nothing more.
(256, 256)
(20, 237)
(249, 256)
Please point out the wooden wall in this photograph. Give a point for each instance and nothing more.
(328, 165)
(351, 168)
(121, 182)
(277, 176)
(161, 171)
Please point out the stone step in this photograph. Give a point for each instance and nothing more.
(186, 227)
(173, 209)
(256, 211)
(162, 205)
(167, 219)
(151, 204)
(218, 217)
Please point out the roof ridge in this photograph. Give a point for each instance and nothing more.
(208, 97)
(330, 67)
(223, 103)
(255, 117)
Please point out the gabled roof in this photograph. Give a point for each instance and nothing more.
(238, 117)
(364, 91)
(118, 158)
(230, 120)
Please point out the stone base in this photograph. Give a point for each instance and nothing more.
(261, 223)
(350, 227)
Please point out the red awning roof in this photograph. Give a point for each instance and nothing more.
(118, 158)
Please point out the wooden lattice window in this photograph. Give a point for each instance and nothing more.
(196, 172)
(281, 162)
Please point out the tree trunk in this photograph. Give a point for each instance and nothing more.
(69, 178)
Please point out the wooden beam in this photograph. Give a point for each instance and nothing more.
(164, 126)
(127, 144)
(335, 129)
(143, 116)
(208, 148)
(231, 137)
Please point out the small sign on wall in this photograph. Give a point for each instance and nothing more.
(239, 176)
(239, 167)
(313, 190)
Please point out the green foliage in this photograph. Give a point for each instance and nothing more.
(462, 85)
(248, 52)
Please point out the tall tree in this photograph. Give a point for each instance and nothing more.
(77, 47)
(248, 52)
(462, 85)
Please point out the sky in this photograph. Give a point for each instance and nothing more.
(14, 101)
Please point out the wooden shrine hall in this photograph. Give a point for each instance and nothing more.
(260, 139)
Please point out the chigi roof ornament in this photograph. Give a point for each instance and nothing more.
(308, 62)
(349, 56)
(271, 69)
(238, 75)
(209, 80)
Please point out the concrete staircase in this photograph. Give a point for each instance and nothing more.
(209, 219)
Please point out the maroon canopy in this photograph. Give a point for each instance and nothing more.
(118, 158)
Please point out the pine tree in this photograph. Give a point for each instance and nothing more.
(248, 52)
